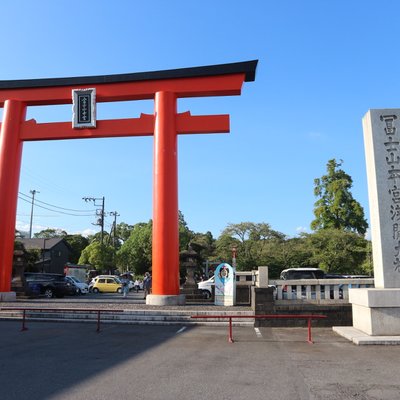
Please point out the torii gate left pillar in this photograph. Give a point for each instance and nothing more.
(165, 87)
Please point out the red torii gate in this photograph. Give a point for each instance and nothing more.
(165, 87)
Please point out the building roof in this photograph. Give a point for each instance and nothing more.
(41, 243)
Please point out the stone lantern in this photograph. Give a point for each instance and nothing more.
(18, 278)
(189, 259)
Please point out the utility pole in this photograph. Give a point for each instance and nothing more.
(115, 215)
(99, 212)
(33, 202)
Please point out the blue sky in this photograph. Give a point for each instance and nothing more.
(322, 65)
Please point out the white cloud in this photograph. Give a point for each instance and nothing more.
(301, 229)
(22, 226)
(86, 232)
(25, 227)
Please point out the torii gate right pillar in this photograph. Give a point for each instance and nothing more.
(165, 250)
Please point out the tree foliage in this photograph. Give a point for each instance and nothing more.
(50, 233)
(185, 234)
(77, 244)
(135, 254)
(336, 208)
(286, 253)
(251, 241)
(123, 231)
(337, 251)
(100, 257)
(204, 245)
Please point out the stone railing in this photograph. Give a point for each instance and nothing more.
(319, 291)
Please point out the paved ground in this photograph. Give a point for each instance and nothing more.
(65, 361)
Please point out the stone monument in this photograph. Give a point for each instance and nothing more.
(376, 311)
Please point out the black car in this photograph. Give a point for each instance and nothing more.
(49, 285)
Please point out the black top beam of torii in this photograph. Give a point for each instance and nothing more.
(247, 67)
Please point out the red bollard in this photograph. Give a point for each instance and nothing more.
(24, 328)
(309, 339)
(230, 339)
(98, 321)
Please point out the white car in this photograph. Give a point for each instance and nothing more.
(206, 287)
(81, 286)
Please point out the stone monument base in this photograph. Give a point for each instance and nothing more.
(361, 338)
(165, 300)
(376, 314)
(376, 311)
(8, 296)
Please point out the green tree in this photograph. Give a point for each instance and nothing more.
(250, 239)
(185, 234)
(98, 256)
(203, 244)
(50, 233)
(124, 231)
(286, 253)
(135, 253)
(368, 266)
(97, 237)
(336, 207)
(338, 251)
(77, 244)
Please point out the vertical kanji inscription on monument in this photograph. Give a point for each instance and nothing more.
(382, 150)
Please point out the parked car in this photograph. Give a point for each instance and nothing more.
(108, 284)
(103, 276)
(49, 285)
(302, 273)
(131, 284)
(206, 287)
(80, 287)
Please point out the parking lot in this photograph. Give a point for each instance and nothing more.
(66, 361)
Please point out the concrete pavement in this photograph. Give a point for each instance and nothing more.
(65, 361)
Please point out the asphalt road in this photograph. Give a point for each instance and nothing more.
(70, 361)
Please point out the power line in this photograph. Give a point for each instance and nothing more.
(56, 211)
(52, 205)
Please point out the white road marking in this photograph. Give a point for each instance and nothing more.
(181, 330)
(258, 333)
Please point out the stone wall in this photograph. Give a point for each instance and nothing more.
(263, 303)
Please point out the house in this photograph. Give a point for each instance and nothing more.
(54, 253)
